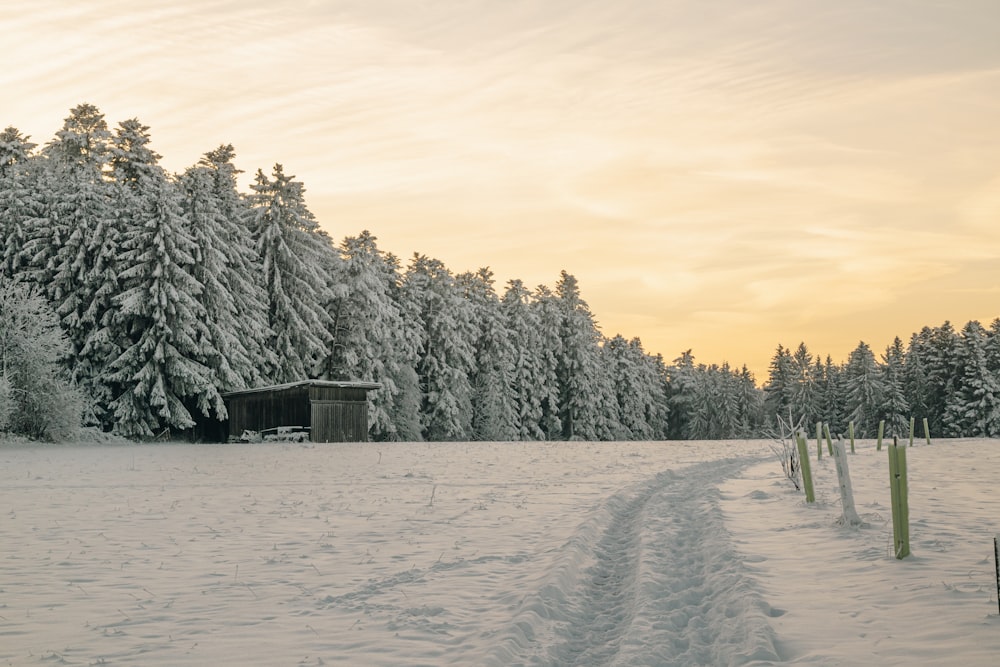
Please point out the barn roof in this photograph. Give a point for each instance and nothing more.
(344, 384)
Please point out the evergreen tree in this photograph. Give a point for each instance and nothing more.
(447, 355)
(834, 397)
(369, 342)
(803, 390)
(863, 390)
(579, 388)
(681, 379)
(19, 201)
(549, 341)
(225, 263)
(528, 382)
(894, 409)
(973, 408)
(159, 377)
(75, 250)
(780, 387)
(292, 253)
(494, 397)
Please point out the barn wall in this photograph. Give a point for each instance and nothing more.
(339, 421)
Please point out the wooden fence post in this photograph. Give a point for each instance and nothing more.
(850, 432)
(911, 431)
(829, 440)
(927, 432)
(807, 481)
(881, 432)
(819, 440)
(900, 503)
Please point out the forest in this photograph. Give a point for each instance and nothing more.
(132, 298)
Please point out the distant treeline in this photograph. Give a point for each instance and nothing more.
(167, 289)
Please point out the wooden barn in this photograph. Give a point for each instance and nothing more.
(327, 411)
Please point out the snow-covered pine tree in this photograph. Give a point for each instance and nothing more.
(549, 317)
(833, 398)
(406, 406)
(578, 361)
(84, 225)
(527, 380)
(681, 384)
(292, 253)
(447, 354)
(863, 390)
(369, 340)
(894, 409)
(19, 204)
(639, 389)
(232, 294)
(160, 376)
(804, 393)
(494, 399)
(973, 408)
(780, 387)
(750, 405)
(915, 388)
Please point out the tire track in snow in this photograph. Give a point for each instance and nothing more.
(652, 579)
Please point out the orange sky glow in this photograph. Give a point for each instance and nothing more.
(721, 176)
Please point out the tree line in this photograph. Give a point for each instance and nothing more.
(158, 292)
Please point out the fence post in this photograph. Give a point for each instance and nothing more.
(850, 432)
(911, 431)
(850, 517)
(829, 440)
(927, 432)
(996, 564)
(819, 440)
(807, 481)
(881, 432)
(900, 504)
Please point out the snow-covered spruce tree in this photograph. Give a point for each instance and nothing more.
(681, 380)
(937, 349)
(804, 391)
(750, 405)
(447, 355)
(915, 387)
(894, 409)
(369, 340)
(160, 375)
(225, 264)
(780, 387)
(527, 379)
(81, 272)
(580, 394)
(36, 400)
(19, 201)
(863, 390)
(973, 408)
(833, 410)
(494, 395)
(639, 389)
(549, 341)
(406, 406)
(292, 253)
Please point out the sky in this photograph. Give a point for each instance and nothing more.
(721, 176)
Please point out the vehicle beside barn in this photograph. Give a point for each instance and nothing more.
(331, 411)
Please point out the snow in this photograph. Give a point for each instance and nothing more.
(681, 553)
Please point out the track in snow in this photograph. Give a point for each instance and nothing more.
(651, 580)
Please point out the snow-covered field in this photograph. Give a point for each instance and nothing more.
(694, 553)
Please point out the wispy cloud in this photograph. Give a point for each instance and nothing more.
(774, 167)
